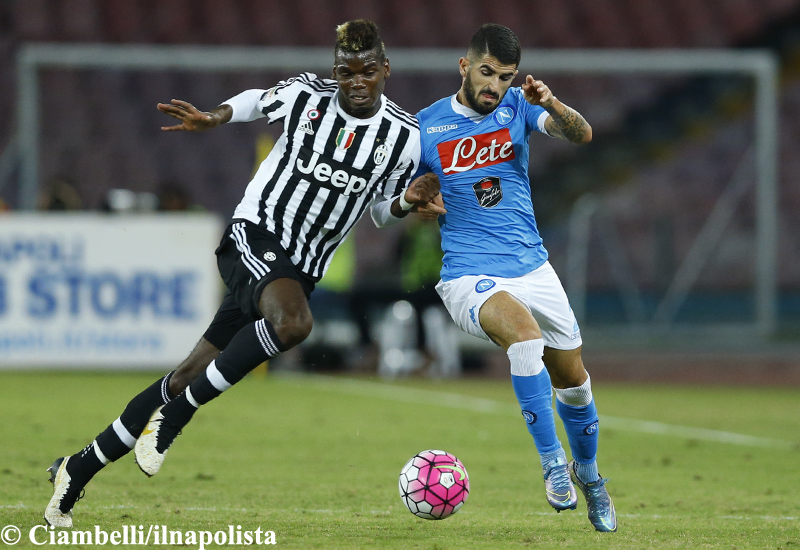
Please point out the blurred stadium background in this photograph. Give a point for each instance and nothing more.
(672, 160)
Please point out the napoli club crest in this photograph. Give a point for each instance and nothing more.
(482, 286)
(530, 417)
(504, 115)
(488, 192)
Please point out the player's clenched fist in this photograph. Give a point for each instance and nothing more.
(423, 191)
(536, 92)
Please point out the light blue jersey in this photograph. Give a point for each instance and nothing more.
(482, 164)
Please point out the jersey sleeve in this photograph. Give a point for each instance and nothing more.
(406, 170)
(401, 176)
(424, 166)
(272, 104)
(535, 115)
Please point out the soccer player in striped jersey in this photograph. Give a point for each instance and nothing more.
(345, 147)
(496, 281)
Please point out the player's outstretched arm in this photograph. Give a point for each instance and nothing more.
(191, 119)
(564, 122)
(422, 195)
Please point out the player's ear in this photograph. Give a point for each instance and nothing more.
(463, 66)
(387, 69)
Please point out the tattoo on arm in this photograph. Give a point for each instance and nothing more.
(570, 125)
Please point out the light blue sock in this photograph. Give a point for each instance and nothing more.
(577, 410)
(531, 383)
(553, 458)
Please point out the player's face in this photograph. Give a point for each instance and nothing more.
(485, 82)
(362, 78)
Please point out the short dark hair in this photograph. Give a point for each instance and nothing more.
(359, 35)
(498, 41)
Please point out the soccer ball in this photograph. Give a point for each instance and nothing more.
(434, 485)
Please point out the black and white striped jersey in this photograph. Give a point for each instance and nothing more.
(327, 167)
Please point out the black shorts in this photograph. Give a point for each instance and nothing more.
(248, 258)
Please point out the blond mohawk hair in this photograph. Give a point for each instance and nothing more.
(359, 35)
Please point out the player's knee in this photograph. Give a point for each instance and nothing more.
(293, 329)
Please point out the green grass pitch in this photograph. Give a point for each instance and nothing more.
(315, 460)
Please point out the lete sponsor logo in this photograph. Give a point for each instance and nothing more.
(468, 153)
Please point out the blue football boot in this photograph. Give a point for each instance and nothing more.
(558, 487)
(601, 509)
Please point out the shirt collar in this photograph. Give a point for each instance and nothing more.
(465, 111)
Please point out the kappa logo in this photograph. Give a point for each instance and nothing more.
(445, 128)
(270, 256)
(504, 115)
(484, 285)
(576, 330)
(472, 315)
(471, 152)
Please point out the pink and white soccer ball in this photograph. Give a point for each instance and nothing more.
(434, 484)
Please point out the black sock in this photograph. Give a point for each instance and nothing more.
(119, 438)
(251, 346)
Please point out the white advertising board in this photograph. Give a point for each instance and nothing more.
(105, 290)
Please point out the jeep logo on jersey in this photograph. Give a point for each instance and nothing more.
(330, 173)
(460, 155)
(488, 191)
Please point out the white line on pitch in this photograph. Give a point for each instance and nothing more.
(389, 511)
(405, 394)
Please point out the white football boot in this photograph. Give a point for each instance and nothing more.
(65, 494)
(152, 446)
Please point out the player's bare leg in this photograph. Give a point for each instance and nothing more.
(576, 407)
(286, 322)
(203, 353)
(70, 474)
(565, 367)
(510, 324)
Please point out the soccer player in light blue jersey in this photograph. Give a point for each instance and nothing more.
(496, 281)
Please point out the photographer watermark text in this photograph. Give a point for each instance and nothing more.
(140, 535)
